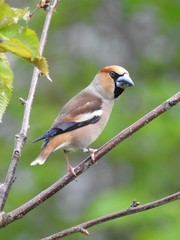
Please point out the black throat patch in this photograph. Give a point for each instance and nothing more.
(118, 91)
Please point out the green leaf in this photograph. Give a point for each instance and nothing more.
(10, 15)
(6, 78)
(23, 42)
(42, 65)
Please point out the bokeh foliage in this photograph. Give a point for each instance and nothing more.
(85, 36)
(19, 40)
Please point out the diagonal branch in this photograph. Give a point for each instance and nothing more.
(129, 211)
(18, 213)
(20, 138)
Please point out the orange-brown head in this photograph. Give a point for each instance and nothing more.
(111, 81)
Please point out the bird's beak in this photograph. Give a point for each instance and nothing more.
(124, 81)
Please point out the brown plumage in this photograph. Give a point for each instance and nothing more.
(84, 117)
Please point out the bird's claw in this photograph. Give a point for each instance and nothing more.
(93, 156)
(70, 169)
(92, 151)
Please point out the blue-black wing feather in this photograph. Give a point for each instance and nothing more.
(65, 127)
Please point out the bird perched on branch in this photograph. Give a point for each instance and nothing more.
(84, 117)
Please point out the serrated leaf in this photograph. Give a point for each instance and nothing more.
(16, 38)
(42, 65)
(6, 78)
(10, 15)
(23, 42)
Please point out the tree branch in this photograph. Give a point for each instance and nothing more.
(131, 210)
(18, 213)
(20, 138)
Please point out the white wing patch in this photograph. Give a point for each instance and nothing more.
(88, 116)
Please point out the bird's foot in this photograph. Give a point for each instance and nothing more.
(92, 151)
(70, 169)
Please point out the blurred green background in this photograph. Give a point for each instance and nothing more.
(142, 36)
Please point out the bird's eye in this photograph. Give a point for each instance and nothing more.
(112, 74)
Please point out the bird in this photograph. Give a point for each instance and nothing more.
(83, 118)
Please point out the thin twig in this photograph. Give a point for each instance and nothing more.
(115, 215)
(83, 166)
(21, 137)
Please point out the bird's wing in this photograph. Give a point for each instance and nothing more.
(66, 127)
(79, 108)
(75, 115)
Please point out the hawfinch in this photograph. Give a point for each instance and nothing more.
(84, 117)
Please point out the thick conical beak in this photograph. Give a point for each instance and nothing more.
(124, 81)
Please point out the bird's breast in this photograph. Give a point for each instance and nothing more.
(83, 137)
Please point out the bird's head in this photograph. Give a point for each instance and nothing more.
(111, 81)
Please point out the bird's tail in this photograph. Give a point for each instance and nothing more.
(42, 157)
(39, 160)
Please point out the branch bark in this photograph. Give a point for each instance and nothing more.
(131, 210)
(20, 138)
(7, 218)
